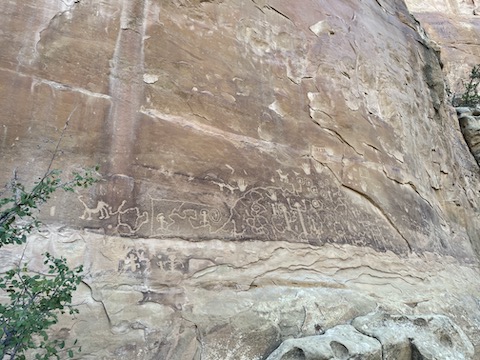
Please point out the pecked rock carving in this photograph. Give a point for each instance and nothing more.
(272, 168)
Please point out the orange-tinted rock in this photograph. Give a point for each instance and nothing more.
(270, 167)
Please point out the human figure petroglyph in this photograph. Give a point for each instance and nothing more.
(171, 262)
(163, 222)
(299, 185)
(315, 226)
(134, 261)
(281, 219)
(286, 215)
(102, 209)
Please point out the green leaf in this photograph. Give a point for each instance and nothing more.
(33, 300)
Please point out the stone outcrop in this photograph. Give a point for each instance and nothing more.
(272, 169)
(379, 336)
(454, 25)
(470, 126)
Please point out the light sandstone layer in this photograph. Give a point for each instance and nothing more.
(272, 169)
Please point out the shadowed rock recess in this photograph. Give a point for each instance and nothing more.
(282, 179)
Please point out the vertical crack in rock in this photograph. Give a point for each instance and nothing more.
(383, 352)
(126, 86)
(102, 304)
(385, 215)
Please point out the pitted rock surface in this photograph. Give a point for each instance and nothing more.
(379, 336)
(270, 168)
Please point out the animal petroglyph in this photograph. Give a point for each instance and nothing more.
(102, 209)
(283, 177)
(128, 220)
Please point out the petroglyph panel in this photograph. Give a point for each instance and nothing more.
(169, 217)
(296, 206)
(124, 220)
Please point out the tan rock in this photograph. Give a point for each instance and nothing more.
(270, 168)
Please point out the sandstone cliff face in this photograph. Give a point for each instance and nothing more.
(454, 25)
(272, 169)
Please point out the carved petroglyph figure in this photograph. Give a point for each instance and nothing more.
(271, 194)
(102, 209)
(130, 220)
(283, 177)
(173, 217)
(131, 262)
(172, 262)
(136, 261)
(300, 211)
(242, 185)
(222, 185)
(163, 223)
(296, 206)
(306, 168)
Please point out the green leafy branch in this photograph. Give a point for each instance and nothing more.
(35, 300)
(470, 97)
(21, 203)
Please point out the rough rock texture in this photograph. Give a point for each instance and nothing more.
(271, 168)
(470, 126)
(380, 336)
(454, 25)
(340, 342)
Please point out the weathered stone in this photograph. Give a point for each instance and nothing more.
(476, 111)
(382, 336)
(454, 26)
(341, 342)
(416, 337)
(271, 168)
(463, 111)
(470, 126)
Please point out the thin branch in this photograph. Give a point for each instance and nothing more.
(58, 144)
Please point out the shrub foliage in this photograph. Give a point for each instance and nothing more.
(34, 300)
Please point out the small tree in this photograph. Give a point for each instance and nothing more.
(470, 97)
(35, 300)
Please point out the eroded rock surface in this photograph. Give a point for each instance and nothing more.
(454, 25)
(271, 168)
(340, 342)
(380, 336)
(470, 126)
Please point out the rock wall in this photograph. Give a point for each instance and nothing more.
(454, 25)
(272, 169)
